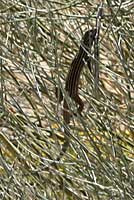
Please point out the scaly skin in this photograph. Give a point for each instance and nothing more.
(72, 81)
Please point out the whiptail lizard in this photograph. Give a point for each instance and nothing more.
(72, 81)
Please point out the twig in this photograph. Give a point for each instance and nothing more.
(96, 49)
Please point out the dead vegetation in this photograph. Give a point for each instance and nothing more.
(38, 42)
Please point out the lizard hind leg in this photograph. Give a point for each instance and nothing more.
(66, 113)
(78, 100)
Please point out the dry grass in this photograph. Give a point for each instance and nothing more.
(38, 42)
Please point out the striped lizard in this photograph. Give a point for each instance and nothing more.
(72, 81)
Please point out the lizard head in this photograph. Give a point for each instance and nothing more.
(89, 37)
